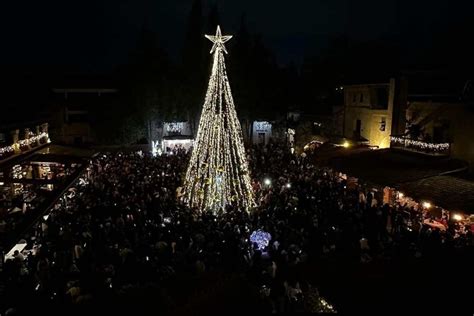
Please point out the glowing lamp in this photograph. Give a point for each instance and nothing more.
(288, 185)
(457, 217)
(346, 144)
(426, 204)
(267, 181)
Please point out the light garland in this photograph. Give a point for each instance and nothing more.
(263, 126)
(156, 148)
(261, 238)
(314, 303)
(21, 144)
(218, 173)
(406, 142)
(34, 139)
(175, 127)
(6, 150)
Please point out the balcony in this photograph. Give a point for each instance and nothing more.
(428, 148)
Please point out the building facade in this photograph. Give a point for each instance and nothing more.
(72, 119)
(369, 113)
(261, 132)
(441, 127)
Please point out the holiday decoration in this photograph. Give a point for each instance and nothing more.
(261, 238)
(25, 144)
(218, 169)
(420, 145)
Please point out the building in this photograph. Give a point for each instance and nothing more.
(72, 122)
(373, 112)
(177, 135)
(438, 125)
(261, 132)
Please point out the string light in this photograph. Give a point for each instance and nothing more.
(218, 173)
(406, 142)
(6, 150)
(175, 127)
(36, 139)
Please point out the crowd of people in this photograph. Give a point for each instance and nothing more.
(122, 238)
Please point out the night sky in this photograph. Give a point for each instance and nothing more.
(98, 34)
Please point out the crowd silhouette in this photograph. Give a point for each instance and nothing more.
(122, 239)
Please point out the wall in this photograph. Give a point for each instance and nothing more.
(369, 111)
(76, 133)
(461, 128)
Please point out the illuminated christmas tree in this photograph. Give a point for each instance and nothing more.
(218, 173)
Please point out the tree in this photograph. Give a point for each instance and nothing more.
(218, 173)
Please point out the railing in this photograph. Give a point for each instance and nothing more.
(430, 148)
(24, 145)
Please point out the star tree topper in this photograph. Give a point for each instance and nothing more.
(218, 40)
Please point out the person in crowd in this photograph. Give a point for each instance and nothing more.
(124, 230)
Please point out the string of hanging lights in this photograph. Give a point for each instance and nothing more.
(436, 147)
(218, 173)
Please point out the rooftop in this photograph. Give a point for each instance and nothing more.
(449, 192)
(418, 176)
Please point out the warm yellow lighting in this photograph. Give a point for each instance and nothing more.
(218, 173)
(346, 144)
(426, 204)
(400, 195)
(457, 217)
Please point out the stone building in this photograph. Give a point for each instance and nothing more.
(373, 112)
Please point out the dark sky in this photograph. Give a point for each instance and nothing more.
(100, 33)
